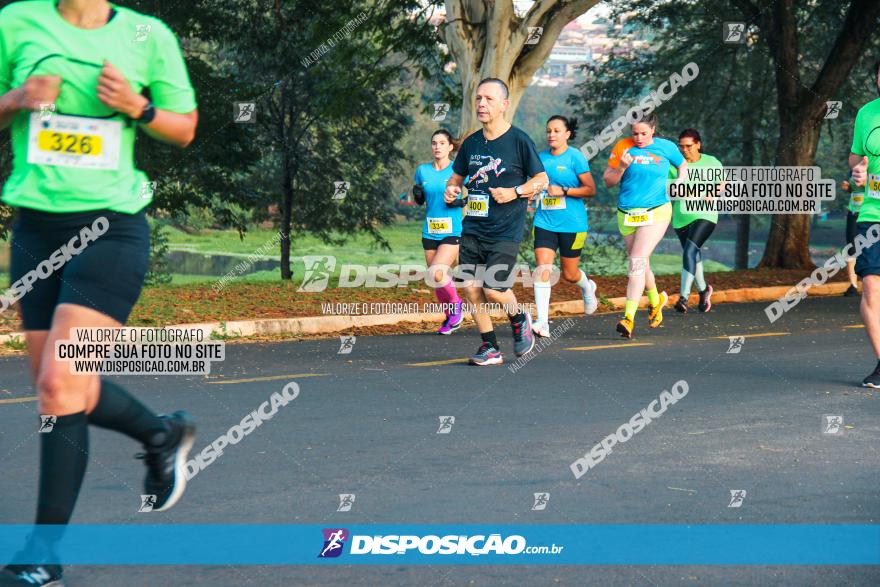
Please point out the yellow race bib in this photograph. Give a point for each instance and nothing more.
(478, 205)
(440, 225)
(639, 217)
(74, 141)
(549, 202)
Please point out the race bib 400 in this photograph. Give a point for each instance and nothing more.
(478, 205)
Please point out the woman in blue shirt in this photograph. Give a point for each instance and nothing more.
(561, 218)
(640, 165)
(441, 231)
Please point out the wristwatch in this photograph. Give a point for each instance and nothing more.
(516, 189)
(148, 114)
(565, 191)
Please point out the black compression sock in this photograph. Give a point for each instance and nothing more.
(120, 411)
(490, 338)
(64, 452)
(518, 318)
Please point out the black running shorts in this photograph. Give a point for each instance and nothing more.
(569, 244)
(93, 259)
(430, 244)
(494, 260)
(868, 261)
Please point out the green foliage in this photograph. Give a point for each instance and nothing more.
(733, 100)
(224, 334)
(604, 256)
(538, 103)
(330, 107)
(159, 271)
(413, 213)
(16, 343)
(5, 169)
(193, 217)
(5, 221)
(716, 103)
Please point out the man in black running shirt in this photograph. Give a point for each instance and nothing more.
(505, 171)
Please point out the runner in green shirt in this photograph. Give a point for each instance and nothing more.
(77, 79)
(864, 160)
(693, 228)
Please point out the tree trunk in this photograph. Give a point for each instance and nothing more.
(788, 243)
(743, 230)
(487, 39)
(743, 221)
(802, 108)
(757, 94)
(286, 212)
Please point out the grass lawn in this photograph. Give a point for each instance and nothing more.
(403, 238)
(661, 264)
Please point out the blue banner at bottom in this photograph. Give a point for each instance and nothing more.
(616, 544)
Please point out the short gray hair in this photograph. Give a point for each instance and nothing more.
(495, 80)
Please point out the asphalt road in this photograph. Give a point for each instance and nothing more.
(366, 423)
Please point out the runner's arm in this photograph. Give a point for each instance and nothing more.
(9, 106)
(859, 166)
(613, 175)
(535, 185)
(453, 187)
(682, 172)
(586, 189)
(36, 90)
(418, 194)
(169, 127)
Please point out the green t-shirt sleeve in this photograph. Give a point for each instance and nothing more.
(673, 172)
(858, 139)
(170, 88)
(5, 64)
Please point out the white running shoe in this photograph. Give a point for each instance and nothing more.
(541, 329)
(591, 304)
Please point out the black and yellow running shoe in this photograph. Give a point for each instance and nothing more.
(655, 318)
(625, 327)
(681, 306)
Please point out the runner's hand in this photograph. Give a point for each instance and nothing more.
(115, 91)
(625, 160)
(554, 190)
(860, 172)
(451, 194)
(503, 195)
(38, 90)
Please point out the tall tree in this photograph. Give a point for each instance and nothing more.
(488, 39)
(757, 91)
(735, 100)
(327, 80)
(801, 104)
(659, 39)
(218, 160)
